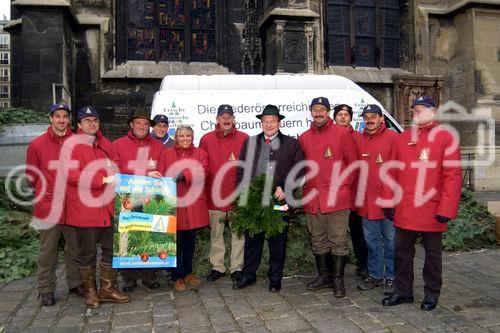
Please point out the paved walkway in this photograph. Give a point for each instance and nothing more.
(470, 302)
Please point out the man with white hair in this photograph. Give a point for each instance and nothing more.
(429, 175)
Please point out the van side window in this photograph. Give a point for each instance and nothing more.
(363, 32)
(168, 30)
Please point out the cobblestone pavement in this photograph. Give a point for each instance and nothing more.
(470, 302)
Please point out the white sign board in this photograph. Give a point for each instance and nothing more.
(198, 108)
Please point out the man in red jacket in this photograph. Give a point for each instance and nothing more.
(138, 153)
(375, 147)
(342, 115)
(331, 148)
(88, 164)
(428, 174)
(49, 210)
(223, 146)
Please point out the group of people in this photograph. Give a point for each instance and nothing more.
(385, 188)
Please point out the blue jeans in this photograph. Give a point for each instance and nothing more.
(379, 237)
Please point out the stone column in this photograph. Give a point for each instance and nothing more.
(309, 26)
(279, 25)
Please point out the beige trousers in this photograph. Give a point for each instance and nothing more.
(329, 232)
(218, 247)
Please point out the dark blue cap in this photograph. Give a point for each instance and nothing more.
(372, 108)
(320, 100)
(160, 118)
(60, 106)
(225, 108)
(425, 101)
(87, 111)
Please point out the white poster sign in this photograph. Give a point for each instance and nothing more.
(198, 108)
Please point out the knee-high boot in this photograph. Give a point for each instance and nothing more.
(87, 274)
(107, 291)
(338, 276)
(324, 279)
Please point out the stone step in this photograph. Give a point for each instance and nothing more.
(494, 207)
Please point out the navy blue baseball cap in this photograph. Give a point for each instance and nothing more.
(225, 108)
(160, 118)
(372, 108)
(87, 111)
(320, 100)
(425, 101)
(60, 106)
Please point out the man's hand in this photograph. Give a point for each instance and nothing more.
(279, 194)
(442, 219)
(388, 213)
(108, 180)
(154, 174)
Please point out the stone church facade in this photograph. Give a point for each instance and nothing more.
(113, 53)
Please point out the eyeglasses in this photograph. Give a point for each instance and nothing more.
(90, 121)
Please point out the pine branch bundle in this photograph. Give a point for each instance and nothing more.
(256, 217)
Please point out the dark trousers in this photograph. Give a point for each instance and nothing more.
(186, 240)
(47, 257)
(358, 240)
(253, 254)
(404, 254)
(87, 245)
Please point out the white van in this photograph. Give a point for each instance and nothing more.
(193, 100)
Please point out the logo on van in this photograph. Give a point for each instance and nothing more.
(176, 116)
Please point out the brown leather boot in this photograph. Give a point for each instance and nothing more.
(87, 274)
(107, 291)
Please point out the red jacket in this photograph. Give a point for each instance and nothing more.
(444, 179)
(356, 137)
(195, 215)
(327, 146)
(374, 149)
(127, 148)
(221, 150)
(41, 151)
(78, 212)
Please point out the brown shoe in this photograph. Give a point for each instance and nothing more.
(179, 285)
(192, 280)
(87, 274)
(108, 292)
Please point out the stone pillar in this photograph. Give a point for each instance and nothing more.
(287, 30)
(279, 26)
(309, 30)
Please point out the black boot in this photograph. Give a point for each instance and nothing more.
(338, 276)
(324, 264)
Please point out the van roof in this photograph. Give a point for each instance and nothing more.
(246, 82)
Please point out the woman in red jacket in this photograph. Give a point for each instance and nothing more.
(189, 167)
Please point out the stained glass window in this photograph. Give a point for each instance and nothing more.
(363, 32)
(171, 30)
